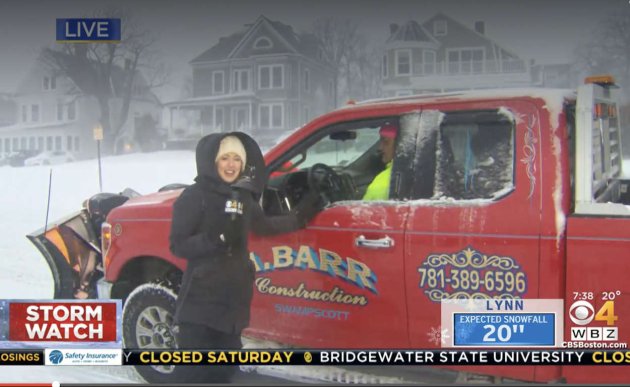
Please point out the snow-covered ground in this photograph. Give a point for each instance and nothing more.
(23, 197)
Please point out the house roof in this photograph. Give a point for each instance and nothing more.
(306, 44)
(411, 31)
(428, 23)
(220, 50)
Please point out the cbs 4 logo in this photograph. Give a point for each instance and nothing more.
(582, 313)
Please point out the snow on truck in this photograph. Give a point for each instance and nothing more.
(493, 194)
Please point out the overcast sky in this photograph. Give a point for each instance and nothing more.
(544, 30)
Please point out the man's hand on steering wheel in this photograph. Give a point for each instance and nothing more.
(326, 182)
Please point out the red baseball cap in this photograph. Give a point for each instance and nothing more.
(388, 130)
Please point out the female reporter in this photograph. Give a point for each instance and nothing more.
(211, 221)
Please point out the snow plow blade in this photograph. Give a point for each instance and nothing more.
(72, 245)
(71, 249)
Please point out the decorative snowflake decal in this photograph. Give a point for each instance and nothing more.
(438, 336)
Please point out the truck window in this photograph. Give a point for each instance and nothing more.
(599, 185)
(474, 156)
(348, 150)
(338, 149)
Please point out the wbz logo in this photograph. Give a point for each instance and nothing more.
(582, 313)
(594, 334)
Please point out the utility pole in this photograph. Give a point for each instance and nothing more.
(98, 136)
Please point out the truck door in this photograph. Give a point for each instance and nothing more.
(342, 284)
(474, 222)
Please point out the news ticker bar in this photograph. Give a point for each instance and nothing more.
(313, 357)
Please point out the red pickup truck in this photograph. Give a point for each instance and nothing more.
(494, 194)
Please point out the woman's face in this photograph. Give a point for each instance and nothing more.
(229, 167)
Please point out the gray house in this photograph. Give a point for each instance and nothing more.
(264, 80)
(442, 55)
(53, 115)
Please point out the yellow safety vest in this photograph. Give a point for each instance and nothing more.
(379, 187)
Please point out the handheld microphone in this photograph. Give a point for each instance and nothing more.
(234, 205)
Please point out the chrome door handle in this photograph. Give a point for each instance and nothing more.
(382, 243)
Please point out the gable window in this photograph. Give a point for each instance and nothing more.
(240, 80)
(271, 77)
(439, 28)
(217, 82)
(385, 69)
(24, 113)
(271, 115)
(403, 62)
(49, 83)
(307, 80)
(263, 42)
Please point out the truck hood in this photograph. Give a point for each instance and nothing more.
(152, 206)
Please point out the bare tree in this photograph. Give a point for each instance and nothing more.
(608, 52)
(609, 49)
(338, 37)
(365, 70)
(109, 71)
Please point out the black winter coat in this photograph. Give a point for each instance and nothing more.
(217, 286)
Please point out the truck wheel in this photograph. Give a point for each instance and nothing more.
(148, 321)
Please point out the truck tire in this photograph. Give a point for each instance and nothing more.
(148, 322)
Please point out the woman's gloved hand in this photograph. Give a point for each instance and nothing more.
(309, 206)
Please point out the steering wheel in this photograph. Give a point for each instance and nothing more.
(326, 182)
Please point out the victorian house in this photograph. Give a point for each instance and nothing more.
(442, 55)
(264, 80)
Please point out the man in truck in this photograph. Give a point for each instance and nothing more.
(379, 187)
